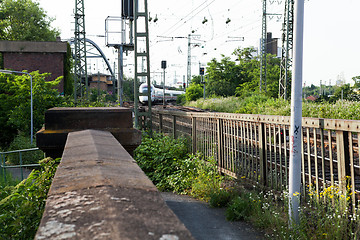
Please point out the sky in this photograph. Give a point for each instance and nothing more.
(331, 33)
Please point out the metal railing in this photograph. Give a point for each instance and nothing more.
(257, 146)
(20, 165)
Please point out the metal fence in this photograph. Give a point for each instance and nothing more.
(257, 146)
(20, 166)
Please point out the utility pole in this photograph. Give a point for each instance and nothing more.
(190, 44)
(80, 68)
(189, 61)
(296, 116)
(286, 50)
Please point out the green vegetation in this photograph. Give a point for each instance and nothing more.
(68, 75)
(259, 104)
(233, 86)
(166, 162)
(15, 103)
(25, 20)
(23, 142)
(193, 92)
(323, 215)
(22, 206)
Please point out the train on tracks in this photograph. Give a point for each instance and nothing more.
(157, 94)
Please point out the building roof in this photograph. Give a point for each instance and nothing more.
(33, 47)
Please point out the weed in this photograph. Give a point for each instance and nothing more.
(221, 198)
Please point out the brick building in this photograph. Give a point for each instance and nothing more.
(104, 84)
(32, 56)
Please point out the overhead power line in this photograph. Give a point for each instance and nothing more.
(174, 27)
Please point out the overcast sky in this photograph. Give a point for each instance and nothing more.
(331, 32)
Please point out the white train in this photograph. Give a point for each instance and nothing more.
(157, 94)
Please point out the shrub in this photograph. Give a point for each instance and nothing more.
(194, 92)
(21, 211)
(207, 179)
(181, 99)
(239, 209)
(220, 198)
(165, 161)
(160, 156)
(23, 142)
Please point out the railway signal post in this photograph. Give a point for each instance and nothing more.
(202, 71)
(163, 66)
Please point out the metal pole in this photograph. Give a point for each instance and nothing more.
(164, 102)
(189, 61)
(121, 75)
(31, 111)
(98, 87)
(204, 85)
(296, 116)
(31, 101)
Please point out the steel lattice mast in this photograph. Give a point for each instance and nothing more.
(80, 68)
(263, 49)
(286, 50)
(141, 35)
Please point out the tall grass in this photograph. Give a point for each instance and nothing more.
(258, 104)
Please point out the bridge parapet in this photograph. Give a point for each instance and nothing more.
(61, 121)
(99, 192)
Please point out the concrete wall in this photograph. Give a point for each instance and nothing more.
(99, 192)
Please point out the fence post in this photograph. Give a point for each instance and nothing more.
(343, 157)
(21, 169)
(193, 122)
(174, 126)
(220, 142)
(161, 123)
(3, 166)
(262, 153)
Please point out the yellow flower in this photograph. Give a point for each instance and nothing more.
(296, 194)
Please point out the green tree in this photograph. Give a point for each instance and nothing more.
(128, 89)
(251, 73)
(25, 20)
(343, 92)
(15, 103)
(68, 75)
(223, 77)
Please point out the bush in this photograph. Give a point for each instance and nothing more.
(181, 99)
(22, 142)
(165, 161)
(22, 210)
(207, 179)
(194, 92)
(239, 209)
(220, 198)
(160, 156)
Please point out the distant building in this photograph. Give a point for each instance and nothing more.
(271, 44)
(32, 56)
(101, 81)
